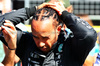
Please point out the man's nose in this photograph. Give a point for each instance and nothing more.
(41, 44)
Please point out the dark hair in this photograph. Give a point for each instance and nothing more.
(46, 13)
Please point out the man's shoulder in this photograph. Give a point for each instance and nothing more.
(27, 34)
(24, 37)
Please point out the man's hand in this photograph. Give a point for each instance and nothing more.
(59, 7)
(45, 5)
(10, 34)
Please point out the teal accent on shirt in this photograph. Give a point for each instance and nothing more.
(60, 47)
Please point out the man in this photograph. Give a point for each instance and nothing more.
(10, 35)
(48, 44)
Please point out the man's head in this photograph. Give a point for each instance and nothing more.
(45, 28)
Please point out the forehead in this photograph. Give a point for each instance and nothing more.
(42, 27)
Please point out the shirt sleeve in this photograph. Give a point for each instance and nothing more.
(80, 28)
(19, 15)
(84, 35)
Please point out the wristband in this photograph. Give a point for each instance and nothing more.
(11, 49)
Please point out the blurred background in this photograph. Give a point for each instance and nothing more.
(88, 10)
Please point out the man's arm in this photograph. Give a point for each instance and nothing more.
(22, 14)
(84, 35)
(9, 58)
(80, 28)
(10, 36)
(19, 15)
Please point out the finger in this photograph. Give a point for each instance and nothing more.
(8, 31)
(45, 5)
(7, 21)
(48, 4)
(54, 8)
(5, 34)
(61, 3)
(9, 24)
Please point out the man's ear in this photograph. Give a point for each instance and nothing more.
(58, 29)
(70, 9)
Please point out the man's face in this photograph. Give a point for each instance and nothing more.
(44, 34)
